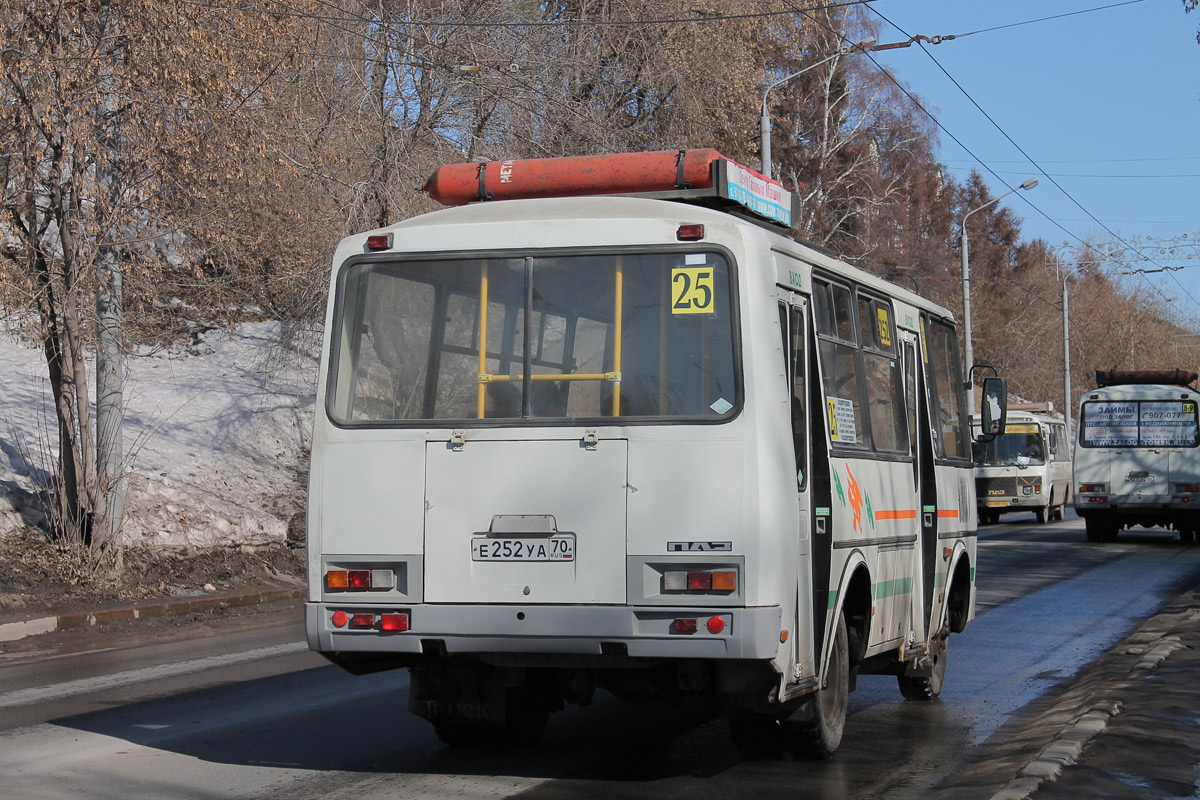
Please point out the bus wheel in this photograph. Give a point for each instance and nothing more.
(817, 733)
(927, 687)
(757, 738)
(1042, 514)
(1100, 530)
(989, 517)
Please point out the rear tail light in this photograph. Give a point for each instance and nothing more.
(1091, 487)
(1187, 488)
(360, 580)
(362, 620)
(393, 622)
(686, 626)
(724, 581)
(700, 581)
(383, 579)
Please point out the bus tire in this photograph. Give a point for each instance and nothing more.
(1042, 514)
(925, 688)
(818, 734)
(1100, 529)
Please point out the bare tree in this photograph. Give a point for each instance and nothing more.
(108, 112)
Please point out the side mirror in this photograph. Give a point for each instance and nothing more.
(993, 414)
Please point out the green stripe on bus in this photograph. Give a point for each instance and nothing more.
(885, 589)
(832, 603)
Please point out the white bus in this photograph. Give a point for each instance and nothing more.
(1028, 468)
(641, 445)
(1137, 461)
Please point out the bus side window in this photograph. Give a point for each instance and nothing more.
(791, 323)
(949, 401)
(799, 419)
(884, 382)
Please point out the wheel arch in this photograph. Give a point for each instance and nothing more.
(959, 586)
(854, 600)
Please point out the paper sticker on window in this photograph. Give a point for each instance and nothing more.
(721, 406)
(841, 420)
(885, 327)
(692, 290)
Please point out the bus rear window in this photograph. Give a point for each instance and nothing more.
(546, 337)
(1138, 423)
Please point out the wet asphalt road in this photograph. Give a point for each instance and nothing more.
(240, 709)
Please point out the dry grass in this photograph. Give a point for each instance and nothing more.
(39, 574)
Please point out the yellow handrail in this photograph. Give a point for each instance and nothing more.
(615, 377)
(483, 304)
(486, 377)
(618, 314)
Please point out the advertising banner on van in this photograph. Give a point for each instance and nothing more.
(1144, 423)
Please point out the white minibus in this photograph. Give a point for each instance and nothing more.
(643, 442)
(1137, 461)
(1028, 468)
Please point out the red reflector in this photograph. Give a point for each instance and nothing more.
(340, 618)
(689, 233)
(362, 621)
(393, 622)
(686, 625)
(946, 553)
(715, 624)
(699, 581)
(379, 241)
(359, 579)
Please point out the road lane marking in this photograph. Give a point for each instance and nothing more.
(58, 691)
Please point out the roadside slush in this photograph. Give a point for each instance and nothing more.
(1126, 725)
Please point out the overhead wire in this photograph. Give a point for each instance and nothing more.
(1030, 159)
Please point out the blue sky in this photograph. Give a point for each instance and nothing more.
(1107, 103)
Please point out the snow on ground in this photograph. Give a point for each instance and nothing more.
(216, 437)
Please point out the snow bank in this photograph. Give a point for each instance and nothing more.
(216, 437)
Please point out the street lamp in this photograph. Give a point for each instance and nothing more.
(966, 279)
(764, 122)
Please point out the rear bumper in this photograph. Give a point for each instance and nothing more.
(1135, 506)
(638, 632)
(1011, 503)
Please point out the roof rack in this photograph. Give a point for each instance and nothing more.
(1045, 406)
(1169, 377)
(701, 176)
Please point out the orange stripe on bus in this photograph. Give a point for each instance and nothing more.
(899, 513)
(948, 512)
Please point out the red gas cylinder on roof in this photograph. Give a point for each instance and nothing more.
(617, 173)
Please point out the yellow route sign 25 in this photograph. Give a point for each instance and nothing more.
(692, 290)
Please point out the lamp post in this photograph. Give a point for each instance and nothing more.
(764, 122)
(966, 280)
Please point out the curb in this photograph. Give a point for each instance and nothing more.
(1060, 753)
(1151, 645)
(21, 629)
